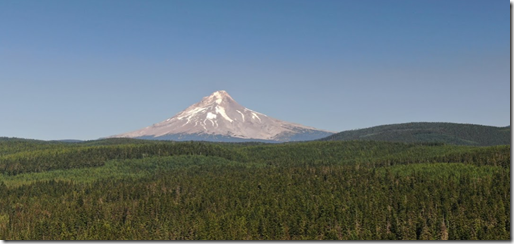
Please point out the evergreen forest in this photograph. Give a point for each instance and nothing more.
(128, 189)
(450, 133)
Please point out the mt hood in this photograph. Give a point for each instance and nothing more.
(219, 117)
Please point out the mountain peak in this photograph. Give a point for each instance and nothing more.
(220, 115)
(218, 97)
(220, 93)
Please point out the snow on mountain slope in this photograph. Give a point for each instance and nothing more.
(220, 115)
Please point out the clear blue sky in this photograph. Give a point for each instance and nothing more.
(95, 68)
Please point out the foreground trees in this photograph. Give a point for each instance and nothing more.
(291, 195)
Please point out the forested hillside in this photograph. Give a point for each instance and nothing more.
(450, 133)
(126, 189)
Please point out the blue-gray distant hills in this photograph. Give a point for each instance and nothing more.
(427, 132)
(219, 117)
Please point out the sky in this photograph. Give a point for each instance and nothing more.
(91, 69)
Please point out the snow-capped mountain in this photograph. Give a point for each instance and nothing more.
(219, 117)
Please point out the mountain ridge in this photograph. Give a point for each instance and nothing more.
(442, 132)
(218, 117)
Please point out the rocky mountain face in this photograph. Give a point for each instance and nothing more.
(219, 117)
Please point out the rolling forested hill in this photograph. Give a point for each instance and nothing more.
(129, 189)
(449, 133)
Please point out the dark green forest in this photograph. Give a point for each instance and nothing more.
(416, 132)
(127, 189)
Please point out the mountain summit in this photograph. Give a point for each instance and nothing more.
(219, 117)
